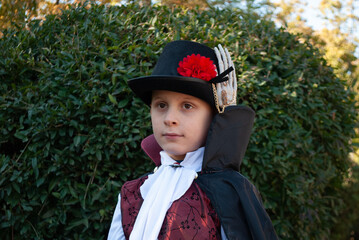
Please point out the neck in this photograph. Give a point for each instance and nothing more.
(177, 157)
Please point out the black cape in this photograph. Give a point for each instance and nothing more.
(236, 201)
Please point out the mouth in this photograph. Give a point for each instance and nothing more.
(172, 135)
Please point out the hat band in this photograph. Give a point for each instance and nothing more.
(222, 77)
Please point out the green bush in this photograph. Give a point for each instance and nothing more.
(348, 226)
(71, 128)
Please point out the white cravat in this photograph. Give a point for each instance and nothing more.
(161, 189)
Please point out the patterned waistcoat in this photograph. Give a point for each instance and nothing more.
(190, 217)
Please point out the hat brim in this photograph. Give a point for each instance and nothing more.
(143, 87)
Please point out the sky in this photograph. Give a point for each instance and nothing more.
(311, 15)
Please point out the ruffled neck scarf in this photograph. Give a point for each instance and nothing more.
(161, 189)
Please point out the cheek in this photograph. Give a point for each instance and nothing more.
(204, 131)
(202, 127)
(206, 121)
(155, 120)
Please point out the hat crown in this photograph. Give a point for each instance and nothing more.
(166, 76)
(174, 52)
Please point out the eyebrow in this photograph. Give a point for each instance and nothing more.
(192, 99)
(189, 98)
(155, 98)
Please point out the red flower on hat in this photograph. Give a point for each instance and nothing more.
(197, 66)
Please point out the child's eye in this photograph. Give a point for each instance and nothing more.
(187, 106)
(161, 105)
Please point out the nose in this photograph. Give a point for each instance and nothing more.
(171, 117)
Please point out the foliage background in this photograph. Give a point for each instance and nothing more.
(72, 128)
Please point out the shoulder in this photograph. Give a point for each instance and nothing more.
(238, 204)
(228, 179)
(134, 184)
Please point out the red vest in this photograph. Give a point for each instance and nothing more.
(190, 217)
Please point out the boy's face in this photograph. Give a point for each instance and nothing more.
(180, 122)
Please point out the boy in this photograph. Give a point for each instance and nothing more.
(199, 141)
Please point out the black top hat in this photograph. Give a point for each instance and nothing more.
(171, 72)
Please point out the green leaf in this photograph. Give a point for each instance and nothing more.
(123, 103)
(98, 155)
(40, 181)
(73, 224)
(112, 99)
(16, 187)
(77, 140)
(20, 135)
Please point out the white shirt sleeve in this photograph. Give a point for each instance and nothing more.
(116, 230)
(223, 235)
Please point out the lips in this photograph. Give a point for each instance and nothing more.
(172, 135)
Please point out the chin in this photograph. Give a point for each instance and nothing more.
(175, 153)
(179, 153)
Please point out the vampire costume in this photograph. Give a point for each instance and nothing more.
(204, 196)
